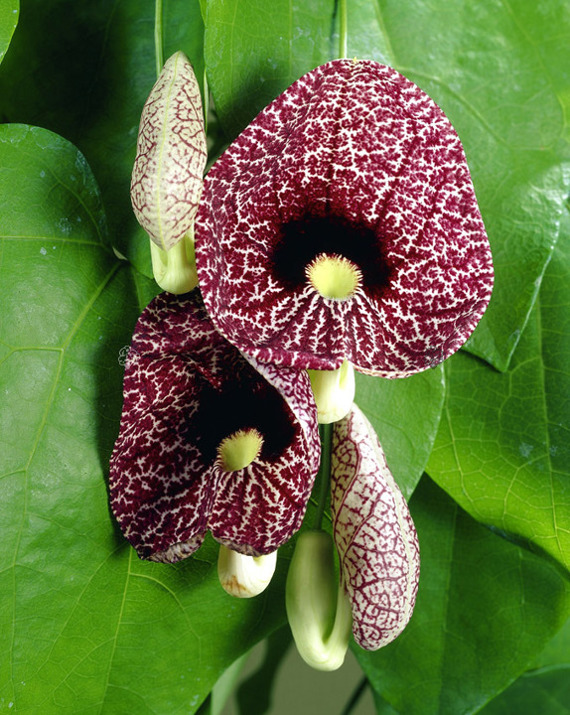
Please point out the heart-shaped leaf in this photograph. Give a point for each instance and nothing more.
(503, 448)
(81, 617)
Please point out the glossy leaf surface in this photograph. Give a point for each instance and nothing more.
(405, 414)
(82, 618)
(503, 448)
(87, 78)
(255, 50)
(8, 20)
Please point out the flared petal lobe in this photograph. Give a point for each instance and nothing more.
(186, 390)
(374, 534)
(342, 224)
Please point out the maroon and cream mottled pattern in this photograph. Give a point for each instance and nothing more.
(185, 389)
(374, 534)
(352, 144)
(167, 176)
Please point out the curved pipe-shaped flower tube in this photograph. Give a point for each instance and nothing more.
(374, 534)
(167, 176)
(317, 608)
(333, 391)
(207, 442)
(342, 224)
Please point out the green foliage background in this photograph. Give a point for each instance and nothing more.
(481, 445)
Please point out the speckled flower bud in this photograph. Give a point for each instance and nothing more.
(167, 177)
(374, 533)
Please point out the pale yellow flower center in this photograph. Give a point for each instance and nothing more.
(239, 449)
(333, 276)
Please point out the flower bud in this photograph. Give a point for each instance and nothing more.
(167, 177)
(374, 533)
(317, 606)
(244, 576)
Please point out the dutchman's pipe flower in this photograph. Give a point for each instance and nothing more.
(167, 176)
(341, 225)
(207, 442)
(340, 231)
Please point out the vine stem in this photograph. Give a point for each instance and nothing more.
(356, 695)
(343, 32)
(158, 35)
(324, 473)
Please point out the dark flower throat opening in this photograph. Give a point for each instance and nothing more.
(242, 405)
(303, 240)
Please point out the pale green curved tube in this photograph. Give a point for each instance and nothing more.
(317, 606)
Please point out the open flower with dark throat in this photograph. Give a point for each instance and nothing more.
(207, 442)
(342, 225)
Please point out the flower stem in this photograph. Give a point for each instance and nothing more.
(324, 474)
(343, 33)
(158, 34)
(356, 695)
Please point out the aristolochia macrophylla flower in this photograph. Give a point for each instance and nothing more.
(207, 442)
(167, 176)
(374, 534)
(342, 225)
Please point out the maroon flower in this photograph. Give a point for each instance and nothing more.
(374, 534)
(342, 224)
(207, 442)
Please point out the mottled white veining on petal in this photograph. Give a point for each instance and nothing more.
(374, 534)
(167, 177)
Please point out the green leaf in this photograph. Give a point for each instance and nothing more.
(83, 621)
(255, 50)
(87, 79)
(382, 707)
(500, 74)
(485, 608)
(367, 36)
(9, 11)
(405, 414)
(542, 691)
(544, 688)
(503, 449)
(557, 651)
